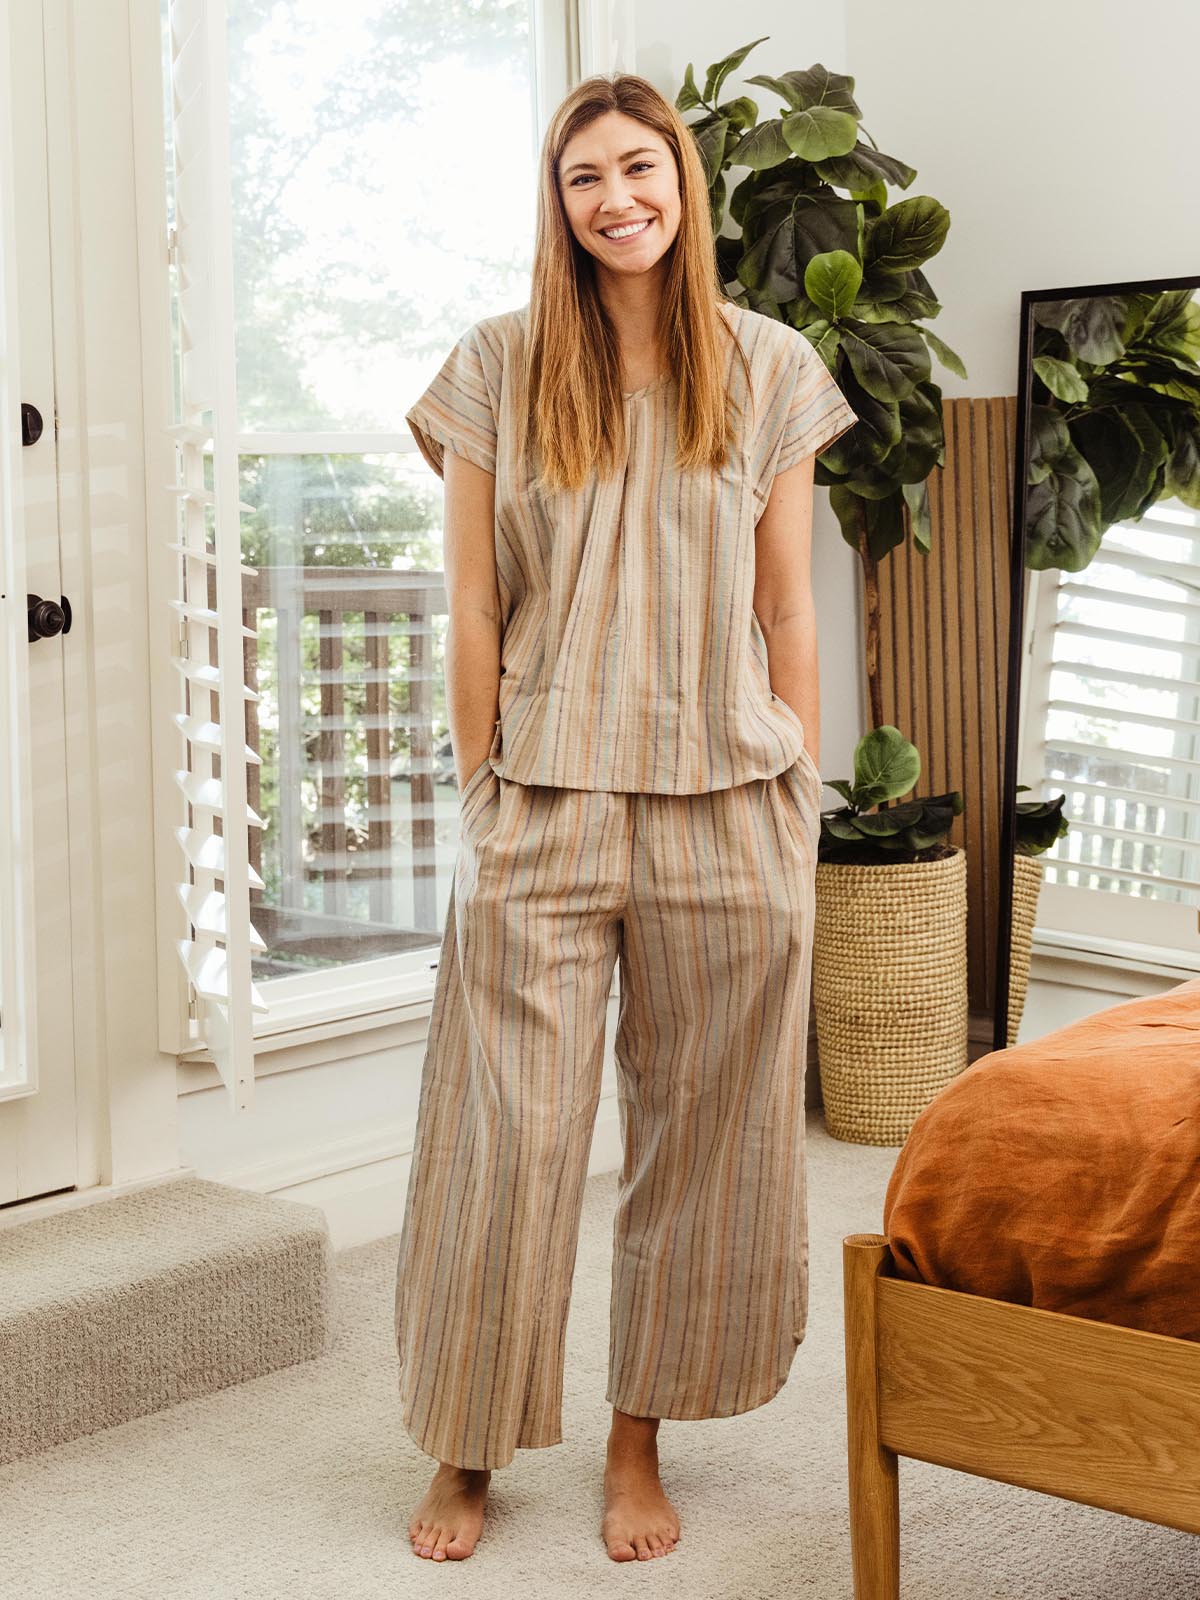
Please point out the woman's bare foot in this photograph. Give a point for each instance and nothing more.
(639, 1521)
(449, 1518)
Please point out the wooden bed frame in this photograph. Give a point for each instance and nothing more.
(1106, 1415)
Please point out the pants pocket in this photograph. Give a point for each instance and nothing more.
(484, 766)
(468, 788)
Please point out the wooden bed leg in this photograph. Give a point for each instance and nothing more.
(874, 1481)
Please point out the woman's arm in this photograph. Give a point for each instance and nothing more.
(473, 639)
(783, 599)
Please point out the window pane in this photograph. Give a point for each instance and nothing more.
(384, 186)
(357, 787)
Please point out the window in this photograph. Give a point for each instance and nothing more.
(379, 161)
(1112, 718)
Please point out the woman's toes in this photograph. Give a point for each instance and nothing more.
(642, 1548)
(439, 1548)
(458, 1548)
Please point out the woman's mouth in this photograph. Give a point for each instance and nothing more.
(627, 230)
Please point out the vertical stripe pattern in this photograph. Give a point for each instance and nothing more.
(706, 901)
(632, 658)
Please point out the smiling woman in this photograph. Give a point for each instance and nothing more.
(647, 798)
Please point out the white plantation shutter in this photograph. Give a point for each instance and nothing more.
(215, 871)
(1112, 719)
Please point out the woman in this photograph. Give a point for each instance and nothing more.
(632, 682)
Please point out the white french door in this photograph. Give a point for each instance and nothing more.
(37, 1043)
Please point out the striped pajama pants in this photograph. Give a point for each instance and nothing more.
(707, 902)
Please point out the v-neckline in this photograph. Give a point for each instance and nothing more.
(655, 383)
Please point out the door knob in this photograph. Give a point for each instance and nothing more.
(47, 617)
(31, 423)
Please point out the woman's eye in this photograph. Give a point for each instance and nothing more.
(583, 175)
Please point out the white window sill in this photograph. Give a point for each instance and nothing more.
(307, 1027)
(1062, 958)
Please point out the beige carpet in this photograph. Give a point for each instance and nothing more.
(298, 1485)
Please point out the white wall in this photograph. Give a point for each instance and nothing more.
(1062, 137)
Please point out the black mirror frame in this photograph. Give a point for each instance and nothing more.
(1016, 610)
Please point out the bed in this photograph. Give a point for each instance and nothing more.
(965, 1346)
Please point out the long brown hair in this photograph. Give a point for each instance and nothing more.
(571, 400)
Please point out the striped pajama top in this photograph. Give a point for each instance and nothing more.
(631, 655)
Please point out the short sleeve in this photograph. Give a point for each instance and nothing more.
(817, 411)
(458, 409)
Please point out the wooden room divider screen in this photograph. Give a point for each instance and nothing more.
(943, 656)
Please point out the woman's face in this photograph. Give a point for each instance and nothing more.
(617, 171)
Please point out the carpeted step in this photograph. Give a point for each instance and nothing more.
(125, 1307)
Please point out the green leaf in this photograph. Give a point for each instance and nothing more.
(889, 359)
(1183, 466)
(864, 167)
(761, 148)
(873, 200)
(943, 352)
(721, 69)
(1049, 439)
(824, 340)
(831, 281)
(1165, 375)
(1172, 325)
(1091, 326)
(885, 524)
(710, 140)
(742, 112)
(819, 132)
(886, 765)
(688, 97)
(877, 431)
(922, 438)
(1062, 516)
(1124, 449)
(816, 86)
(716, 201)
(1064, 381)
(907, 234)
(848, 509)
(916, 498)
(792, 232)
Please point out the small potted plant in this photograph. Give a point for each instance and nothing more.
(1038, 824)
(890, 946)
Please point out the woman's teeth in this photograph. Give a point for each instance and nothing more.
(626, 233)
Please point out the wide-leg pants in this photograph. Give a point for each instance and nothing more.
(707, 902)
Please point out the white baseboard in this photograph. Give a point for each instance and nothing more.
(365, 1201)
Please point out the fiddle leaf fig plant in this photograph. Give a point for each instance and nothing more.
(1114, 418)
(869, 830)
(1039, 824)
(820, 246)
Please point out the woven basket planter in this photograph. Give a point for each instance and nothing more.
(889, 991)
(1026, 886)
